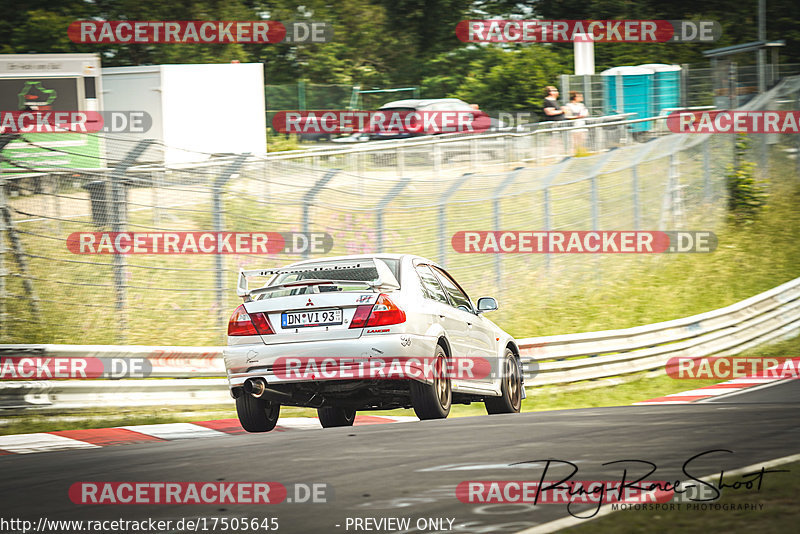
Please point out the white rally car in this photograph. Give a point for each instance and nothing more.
(365, 332)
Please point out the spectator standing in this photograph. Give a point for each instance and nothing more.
(552, 111)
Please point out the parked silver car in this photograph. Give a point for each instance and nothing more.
(365, 332)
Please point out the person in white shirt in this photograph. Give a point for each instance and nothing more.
(576, 110)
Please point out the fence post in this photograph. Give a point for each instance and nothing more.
(473, 155)
(595, 197)
(548, 220)
(309, 197)
(637, 216)
(387, 198)
(587, 92)
(684, 80)
(595, 203)
(437, 156)
(3, 272)
(732, 101)
(216, 209)
(119, 216)
(707, 169)
(797, 136)
(620, 100)
(401, 161)
(443, 215)
(508, 180)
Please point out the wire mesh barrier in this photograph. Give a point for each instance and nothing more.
(411, 197)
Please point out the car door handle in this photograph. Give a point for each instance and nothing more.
(441, 316)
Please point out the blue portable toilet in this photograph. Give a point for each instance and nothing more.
(666, 86)
(637, 88)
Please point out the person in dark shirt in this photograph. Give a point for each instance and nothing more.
(552, 111)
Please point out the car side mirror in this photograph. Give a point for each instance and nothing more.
(486, 304)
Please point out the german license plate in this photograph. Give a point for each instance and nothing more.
(311, 318)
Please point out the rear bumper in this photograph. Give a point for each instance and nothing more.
(243, 362)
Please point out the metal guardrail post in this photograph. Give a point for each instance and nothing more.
(443, 215)
(309, 197)
(219, 263)
(118, 224)
(508, 180)
(399, 186)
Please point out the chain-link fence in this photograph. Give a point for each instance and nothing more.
(664, 90)
(51, 293)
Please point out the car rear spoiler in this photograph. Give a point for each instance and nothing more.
(386, 279)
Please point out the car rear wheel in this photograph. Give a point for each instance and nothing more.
(432, 401)
(332, 416)
(510, 401)
(257, 415)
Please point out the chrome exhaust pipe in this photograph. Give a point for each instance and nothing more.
(255, 387)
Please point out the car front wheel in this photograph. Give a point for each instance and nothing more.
(432, 401)
(257, 415)
(510, 400)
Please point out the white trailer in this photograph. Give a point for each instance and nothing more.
(197, 110)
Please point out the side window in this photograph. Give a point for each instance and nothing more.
(430, 285)
(457, 296)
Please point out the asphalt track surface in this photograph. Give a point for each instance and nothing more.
(410, 470)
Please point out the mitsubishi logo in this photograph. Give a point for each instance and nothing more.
(309, 303)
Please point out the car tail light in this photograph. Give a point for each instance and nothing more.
(361, 316)
(384, 312)
(248, 324)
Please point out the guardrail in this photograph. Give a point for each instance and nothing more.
(186, 371)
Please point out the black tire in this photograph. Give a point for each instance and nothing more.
(333, 416)
(432, 401)
(257, 415)
(511, 388)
